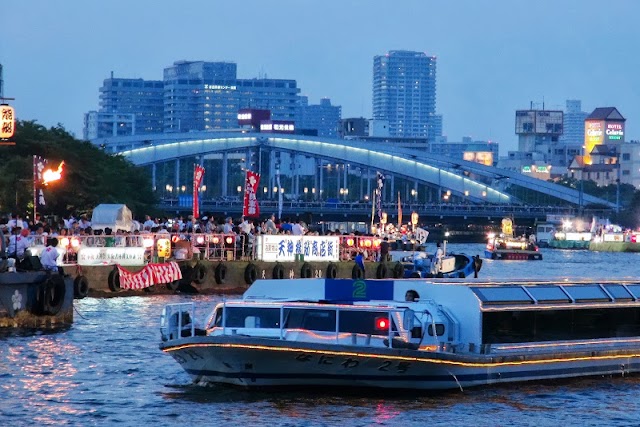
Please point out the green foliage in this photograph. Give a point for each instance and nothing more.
(90, 175)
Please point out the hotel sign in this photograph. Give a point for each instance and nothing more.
(614, 131)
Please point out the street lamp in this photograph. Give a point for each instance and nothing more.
(183, 188)
(414, 193)
(239, 188)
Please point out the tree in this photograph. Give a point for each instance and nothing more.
(90, 175)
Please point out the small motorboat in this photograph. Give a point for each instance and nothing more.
(506, 246)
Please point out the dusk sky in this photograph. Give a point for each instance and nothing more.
(493, 56)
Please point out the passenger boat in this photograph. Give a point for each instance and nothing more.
(408, 334)
(510, 247)
(420, 264)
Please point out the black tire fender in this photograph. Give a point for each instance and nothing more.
(199, 274)
(55, 291)
(278, 271)
(250, 274)
(332, 271)
(357, 273)
(80, 287)
(398, 270)
(381, 271)
(220, 273)
(306, 271)
(114, 280)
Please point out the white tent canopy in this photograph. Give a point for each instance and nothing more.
(115, 217)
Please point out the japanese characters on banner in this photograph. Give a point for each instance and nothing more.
(151, 274)
(198, 174)
(251, 183)
(39, 163)
(285, 247)
(7, 121)
(111, 255)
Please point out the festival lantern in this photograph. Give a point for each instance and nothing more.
(414, 218)
(7, 121)
(163, 246)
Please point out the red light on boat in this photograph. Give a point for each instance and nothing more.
(229, 240)
(175, 238)
(382, 323)
(350, 242)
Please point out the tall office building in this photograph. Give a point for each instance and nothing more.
(404, 93)
(323, 117)
(127, 107)
(278, 95)
(574, 117)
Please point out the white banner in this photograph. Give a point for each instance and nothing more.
(285, 247)
(111, 255)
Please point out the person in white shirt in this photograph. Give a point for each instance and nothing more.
(148, 222)
(271, 225)
(246, 226)
(297, 229)
(49, 256)
(228, 226)
(436, 264)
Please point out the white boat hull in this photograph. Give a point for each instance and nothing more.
(257, 362)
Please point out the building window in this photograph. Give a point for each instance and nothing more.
(626, 172)
(626, 156)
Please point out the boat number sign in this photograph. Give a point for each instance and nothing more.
(350, 363)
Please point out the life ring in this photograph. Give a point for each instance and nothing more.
(416, 275)
(357, 273)
(250, 274)
(305, 271)
(80, 287)
(278, 271)
(332, 271)
(54, 293)
(381, 271)
(220, 273)
(114, 280)
(398, 270)
(199, 274)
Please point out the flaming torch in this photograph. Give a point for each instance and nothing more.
(50, 175)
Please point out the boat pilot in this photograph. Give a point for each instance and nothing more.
(436, 264)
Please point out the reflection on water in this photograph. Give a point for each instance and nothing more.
(107, 369)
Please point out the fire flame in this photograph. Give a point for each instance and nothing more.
(50, 175)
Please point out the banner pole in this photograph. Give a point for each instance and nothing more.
(35, 190)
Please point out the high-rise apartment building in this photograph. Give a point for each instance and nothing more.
(323, 117)
(207, 95)
(127, 107)
(404, 93)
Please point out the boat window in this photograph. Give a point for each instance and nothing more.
(587, 293)
(363, 322)
(548, 294)
(254, 317)
(502, 295)
(217, 318)
(635, 290)
(559, 325)
(439, 329)
(310, 319)
(619, 292)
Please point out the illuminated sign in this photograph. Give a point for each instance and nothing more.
(284, 247)
(593, 135)
(7, 121)
(282, 127)
(537, 169)
(482, 157)
(614, 131)
(111, 255)
(244, 116)
(219, 87)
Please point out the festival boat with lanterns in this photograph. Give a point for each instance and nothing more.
(408, 334)
(507, 246)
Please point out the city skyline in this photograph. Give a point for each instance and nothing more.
(491, 61)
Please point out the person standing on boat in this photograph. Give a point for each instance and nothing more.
(384, 250)
(436, 265)
(49, 256)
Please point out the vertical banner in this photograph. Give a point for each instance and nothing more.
(380, 179)
(280, 195)
(39, 163)
(251, 183)
(399, 212)
(198, 174)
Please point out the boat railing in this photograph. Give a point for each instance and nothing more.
(177, 321)
(589, 345)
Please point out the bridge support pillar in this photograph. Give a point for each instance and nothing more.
(225, 172)
(177, 186)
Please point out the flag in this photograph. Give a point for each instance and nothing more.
(251, 183)
(380, 179)
(399, 211)
(39, 165)
(198, 174)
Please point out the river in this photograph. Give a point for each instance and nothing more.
(107, 370)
